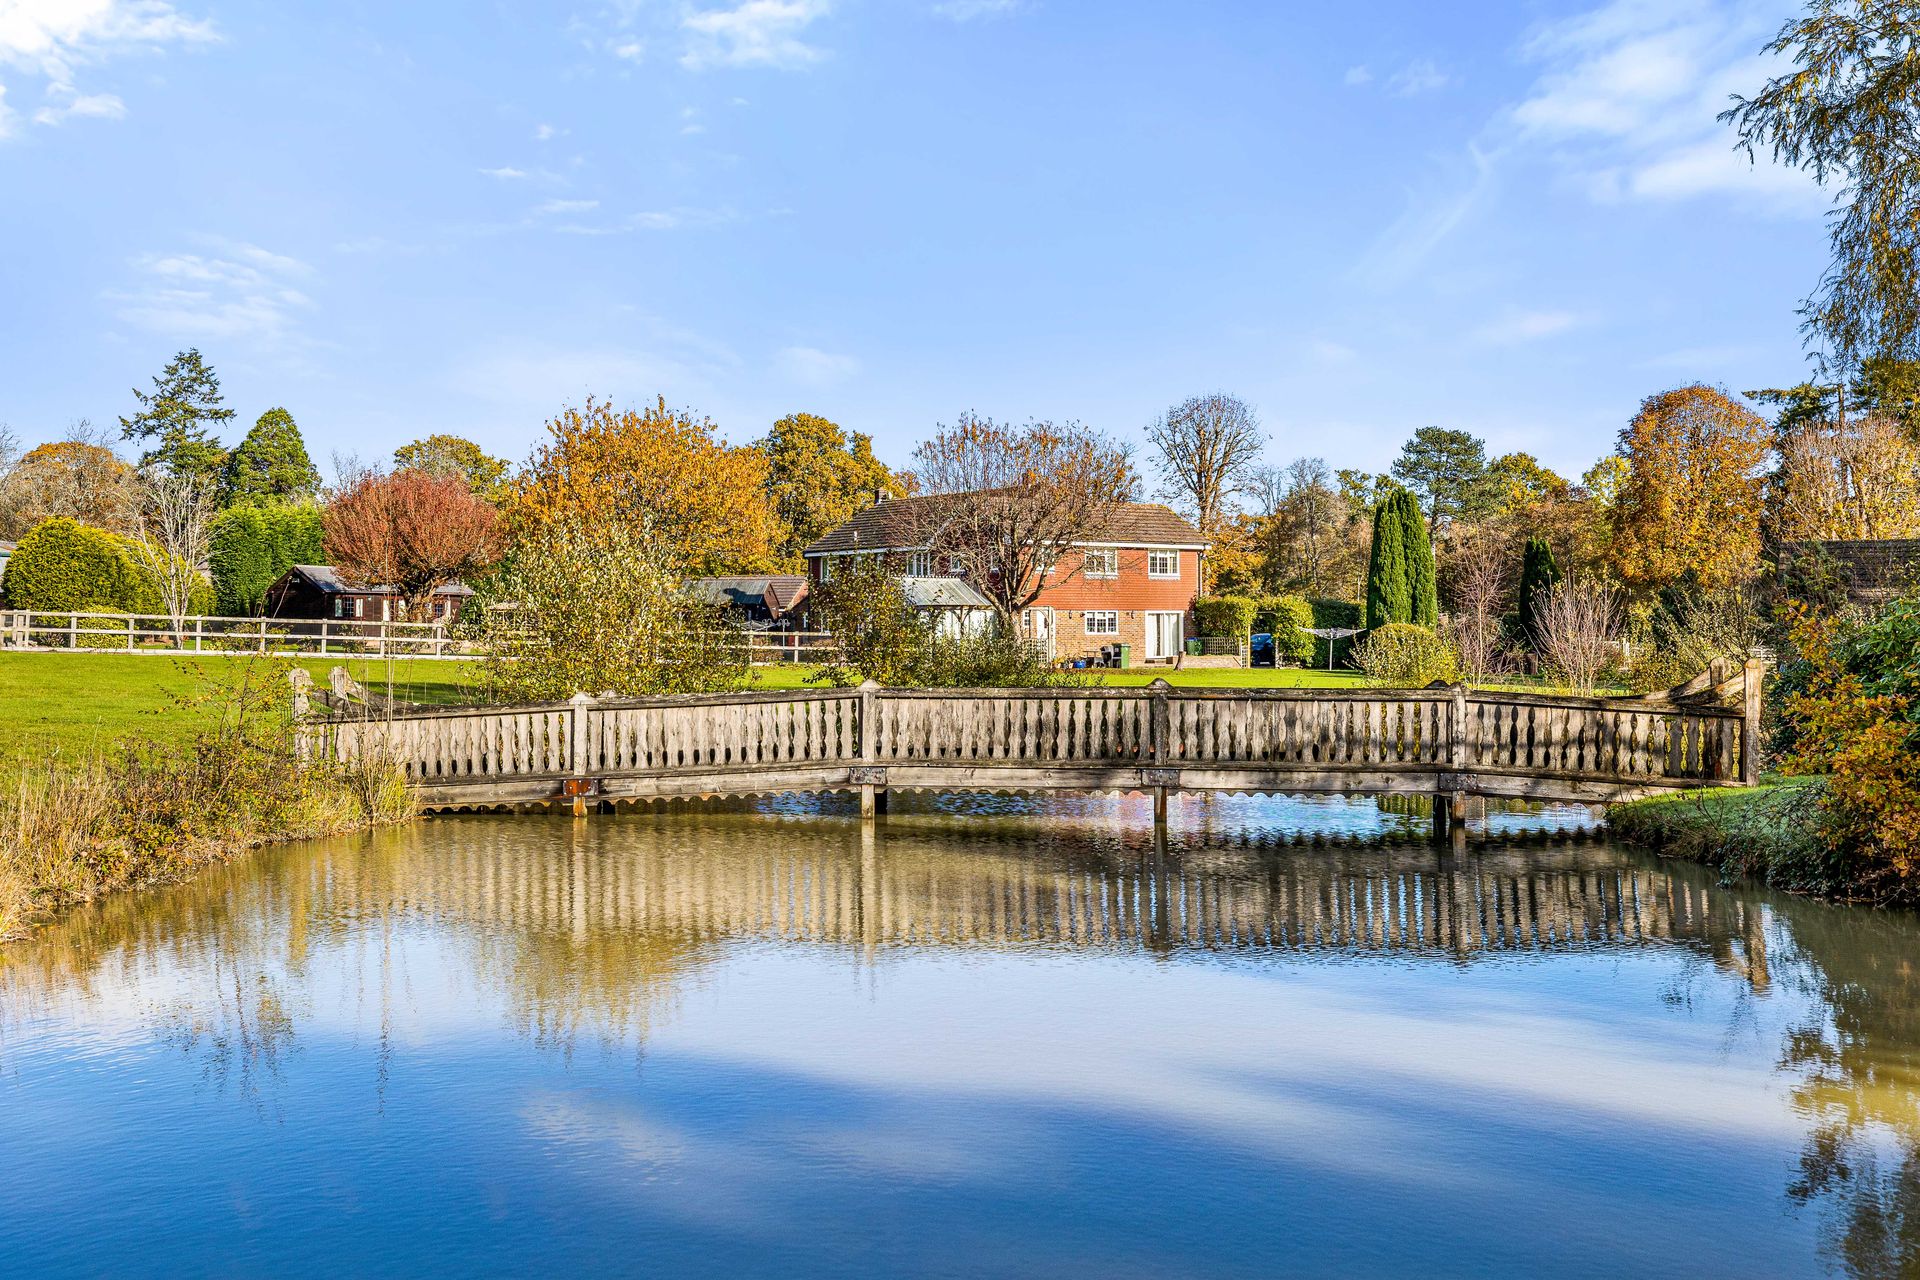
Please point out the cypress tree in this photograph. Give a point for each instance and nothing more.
(271, 464)
(1538, 572)
(1423, 596)
(250, 547)
(1387, 596)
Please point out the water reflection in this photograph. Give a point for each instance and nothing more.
(1627, 999)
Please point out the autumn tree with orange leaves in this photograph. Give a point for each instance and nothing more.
(411, 531)
(1692, 494)
(701, 500)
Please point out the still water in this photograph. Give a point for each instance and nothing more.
(991, 1037)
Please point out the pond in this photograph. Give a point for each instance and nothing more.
(983, 1036)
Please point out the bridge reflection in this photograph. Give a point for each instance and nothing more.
(714, 878)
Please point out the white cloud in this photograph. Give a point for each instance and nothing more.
(1519, 327)
(504, 173)
(1357, 76)
(546, 132)
(1430, 218)
(1627, 95)
(628, 50)
(96, 106)
(234, 291)
(1420, 76)
(51, 40)
(754, 33)
(968, 10)
(568, 206)
(1327, 351)
(813, 367)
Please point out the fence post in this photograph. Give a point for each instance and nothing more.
(199, 628)
(581, 765)
(130, 618)
(263, 633)
(73, 631)
(1756, 674)
(1160, 721)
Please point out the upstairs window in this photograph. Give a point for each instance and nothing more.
(1101, 562)
(1163, 564)
(920, 564)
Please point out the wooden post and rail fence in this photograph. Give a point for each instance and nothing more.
(43, 631)
(1448, 742)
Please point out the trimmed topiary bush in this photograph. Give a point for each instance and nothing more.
(63, 565)
(1402, 656)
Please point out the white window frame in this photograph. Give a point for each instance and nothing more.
(339, 606)
(920, 564)
(1160, 573)
(1109, 558)
(1110, 617)
(956, 565)
(359, 608)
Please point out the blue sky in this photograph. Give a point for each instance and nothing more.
(398, 219)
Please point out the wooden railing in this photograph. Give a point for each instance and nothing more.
(1444, 740)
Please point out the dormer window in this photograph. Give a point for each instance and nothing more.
(920, 564)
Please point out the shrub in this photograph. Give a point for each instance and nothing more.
(1858, 723)
(595, 609)
(1402, 656)
(1225, 615)
(1287, 618)
(62, 565)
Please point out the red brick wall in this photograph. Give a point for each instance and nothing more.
(1132, 594)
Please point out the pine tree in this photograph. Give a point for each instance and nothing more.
(179, 417)
(271, 465)
(1538, 572)
(1387, 596)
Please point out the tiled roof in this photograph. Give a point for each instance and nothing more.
(888, 526)
(328, 580)
(778, 592)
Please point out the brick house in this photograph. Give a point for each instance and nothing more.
(1132, 582)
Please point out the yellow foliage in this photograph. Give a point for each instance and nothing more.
(1691, 495)
(702, 501)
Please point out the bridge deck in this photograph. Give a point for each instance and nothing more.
(1447, 741)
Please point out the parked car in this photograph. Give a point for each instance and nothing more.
(1260, 649)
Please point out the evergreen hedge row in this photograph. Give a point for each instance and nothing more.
(250, 547)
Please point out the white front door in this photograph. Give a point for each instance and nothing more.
(1038, 625)
(1164, 634)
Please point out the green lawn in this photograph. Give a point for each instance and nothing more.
(72, 701)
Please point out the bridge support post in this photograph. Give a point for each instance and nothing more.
(1159, 808)
(1450, 817)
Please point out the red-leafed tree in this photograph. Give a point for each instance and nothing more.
(412, 530)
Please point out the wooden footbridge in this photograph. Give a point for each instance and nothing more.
(1449, 742)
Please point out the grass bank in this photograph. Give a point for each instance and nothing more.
(1768, 833)
(112, 800)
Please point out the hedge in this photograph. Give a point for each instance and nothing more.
(1225, 615)
(1287, 619)
(250, 547)
(1346, 615)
